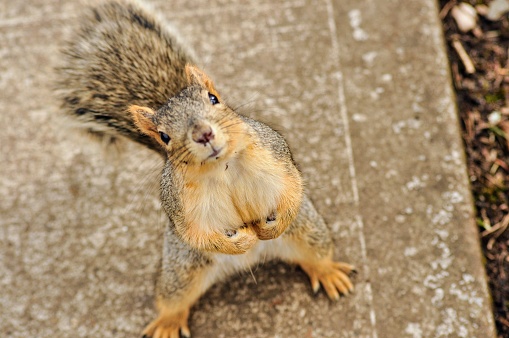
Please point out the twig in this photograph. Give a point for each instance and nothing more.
(465, 59)
(503, 321)
(502, 164)
(445, 10)
(501, 261)
(502, 226)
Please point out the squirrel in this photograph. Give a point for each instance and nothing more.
(230, 188)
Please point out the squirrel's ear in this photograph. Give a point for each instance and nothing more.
(143, 119)
(195, 76)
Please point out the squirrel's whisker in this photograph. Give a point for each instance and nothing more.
(177, 152)
(182, 157)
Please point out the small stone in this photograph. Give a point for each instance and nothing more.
(494, 118)
(465, 16)
(497, 8)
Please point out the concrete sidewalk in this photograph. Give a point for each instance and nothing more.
(362, 92)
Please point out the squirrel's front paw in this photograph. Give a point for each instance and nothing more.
(239, 241)
(333, 276)
(229, 241)
(168, 325)
(269, 228)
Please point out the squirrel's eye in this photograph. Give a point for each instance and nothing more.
(164, 137)
(213, 99)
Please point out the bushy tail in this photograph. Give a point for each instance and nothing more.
(119, 56)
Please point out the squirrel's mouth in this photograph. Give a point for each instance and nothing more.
(216, 153)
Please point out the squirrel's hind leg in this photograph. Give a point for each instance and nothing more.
(310, 245)
(185, 274)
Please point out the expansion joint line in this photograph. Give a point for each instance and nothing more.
(351, 166)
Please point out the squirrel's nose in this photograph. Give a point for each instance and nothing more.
(203, 134)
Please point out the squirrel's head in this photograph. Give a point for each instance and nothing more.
(195, 127)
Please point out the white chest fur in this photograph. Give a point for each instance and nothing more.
(239, 191)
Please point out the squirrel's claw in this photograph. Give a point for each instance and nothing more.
(345, 267)
(184, 330)
(315, 284)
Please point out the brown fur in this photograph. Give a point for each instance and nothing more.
(100, 74)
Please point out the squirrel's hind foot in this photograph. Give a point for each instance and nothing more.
(333, 276)
(168, 325)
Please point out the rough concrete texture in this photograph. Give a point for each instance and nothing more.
(361, 90)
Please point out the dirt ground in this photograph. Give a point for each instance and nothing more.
(483, 102)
